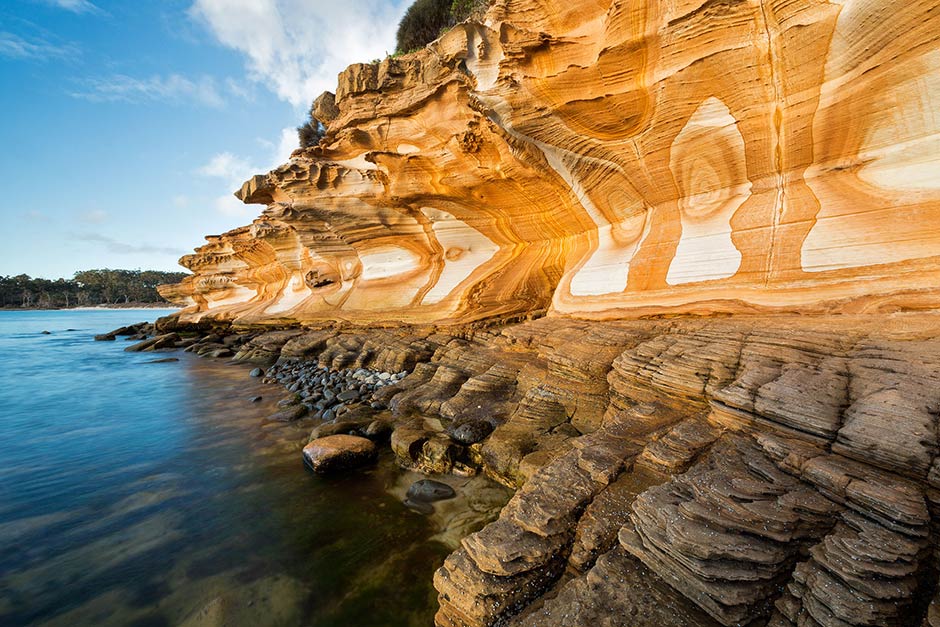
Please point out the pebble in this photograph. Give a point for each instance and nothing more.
(348, 395)
(329, 394)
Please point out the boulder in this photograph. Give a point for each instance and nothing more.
(339, 452)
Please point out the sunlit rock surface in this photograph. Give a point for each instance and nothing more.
(608, 159)
(606, 167)
(718, 471)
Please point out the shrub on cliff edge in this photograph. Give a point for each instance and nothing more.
(310, 133)
(426, 20)
(422, 23)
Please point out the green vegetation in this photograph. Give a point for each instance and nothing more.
(87, 288)
(426, 20)
(310, 132)
(423, 22)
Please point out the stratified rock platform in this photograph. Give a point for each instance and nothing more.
(687, 471)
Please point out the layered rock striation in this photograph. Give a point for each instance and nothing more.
(608, 159)
(729, 471)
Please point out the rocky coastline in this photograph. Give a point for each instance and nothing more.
(667, 471)
(669, 271)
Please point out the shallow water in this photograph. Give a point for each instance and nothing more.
(153, 494)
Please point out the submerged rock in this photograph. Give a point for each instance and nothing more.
(339, 452)
(167, 340)
(292, 413)
(422, 507)
(428, 490)
(378, 430)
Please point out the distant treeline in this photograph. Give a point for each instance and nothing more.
(87, 288)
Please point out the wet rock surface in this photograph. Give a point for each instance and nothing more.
(428, 490)
(338, 452)
(673, 472)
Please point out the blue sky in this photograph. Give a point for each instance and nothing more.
(126, 126)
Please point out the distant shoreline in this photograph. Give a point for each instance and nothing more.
(96, 307)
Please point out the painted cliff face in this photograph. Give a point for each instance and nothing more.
(608, 159)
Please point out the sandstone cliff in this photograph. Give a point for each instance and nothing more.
(608, 159)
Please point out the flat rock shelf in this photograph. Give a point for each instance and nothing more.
(772, 470)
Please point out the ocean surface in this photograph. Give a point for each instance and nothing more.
(140, 493)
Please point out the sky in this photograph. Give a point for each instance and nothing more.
(125, 126)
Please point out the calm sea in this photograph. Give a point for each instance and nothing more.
(140, 493)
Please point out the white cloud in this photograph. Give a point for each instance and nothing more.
(227, 166)
(234, 170)
(240, 89)
(280, 152)
(228, 205)
(15, 47)
(75, 6)
(297, 47)
(181, 201)
(172, 88)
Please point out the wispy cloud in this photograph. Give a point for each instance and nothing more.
(227, 166)
(13, 46)
(240, 89)
(95, 216)
(279, 152)
(234, 170)
(123, 248)
(297, 47)
(34, 215)
(173, 89)
(75, 6)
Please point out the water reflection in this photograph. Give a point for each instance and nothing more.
(151, 494)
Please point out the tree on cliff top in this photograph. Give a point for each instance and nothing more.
(426, 20)
(310, 132)
(423, 22)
